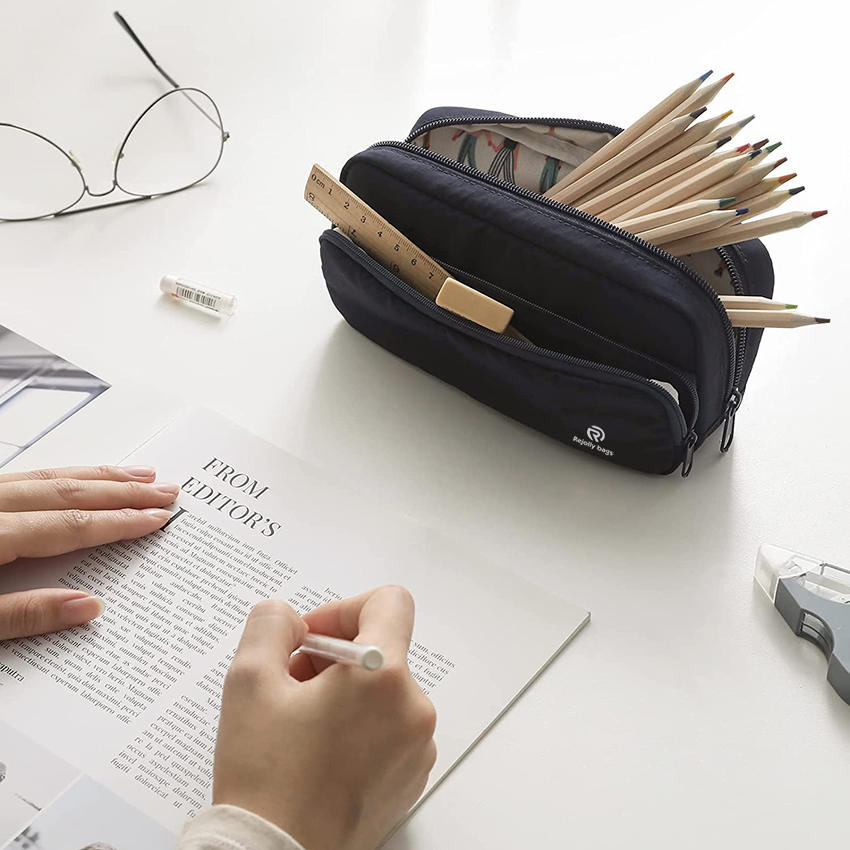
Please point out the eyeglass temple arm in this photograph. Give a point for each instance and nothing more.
(129, 30)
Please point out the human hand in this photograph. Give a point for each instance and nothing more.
(333, 754)
(53, 511)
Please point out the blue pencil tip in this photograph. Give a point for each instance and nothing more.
(742, 212)
(705, 76)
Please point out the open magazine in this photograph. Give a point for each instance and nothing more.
(107, 731)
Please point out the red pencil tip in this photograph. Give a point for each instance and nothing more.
(728, 77)
(819, 213)
(786, 177)
(742, 148)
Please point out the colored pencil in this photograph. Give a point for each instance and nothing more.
(690, 189)
(738, 183)
(768, 149)
(729, 129)
(769, 201)
(753, 302)
(673, 214)
(691, 226)
(622, 211)
(772, 319)
(625, 158)
(631, 134)
(597, 204)
(692, 136)
(767, 185)
(701, 97)
(742, 232)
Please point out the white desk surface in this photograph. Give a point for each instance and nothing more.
(686, 714)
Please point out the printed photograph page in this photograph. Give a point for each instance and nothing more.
(124, 710)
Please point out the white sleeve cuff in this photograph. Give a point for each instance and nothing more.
(232, 828)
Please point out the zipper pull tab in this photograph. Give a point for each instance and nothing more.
(729, 421)
(688, 462)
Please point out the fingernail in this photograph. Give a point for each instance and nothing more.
(158, 513)
(168, 489)
(139, 471)
(76, 612)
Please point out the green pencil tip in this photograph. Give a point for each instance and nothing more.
(790, 306)
(773, 147)
(726, 201)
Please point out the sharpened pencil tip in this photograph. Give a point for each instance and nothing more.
(744, 121)
(761, 144)
(743, 211)
(786, 177)
(819, 321)
(754, 154)
(819, 213)
(790, 306)
(725, 115)
(705, 76)
(698, 112)
(780, 161)
(728, 77)
(796, 190)
(742, 148)
(724, 202)
(721, 142)
(773, 147)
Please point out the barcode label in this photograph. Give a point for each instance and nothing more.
(197, 297)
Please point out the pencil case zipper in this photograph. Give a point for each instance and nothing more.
(689, 436)
(737, 350)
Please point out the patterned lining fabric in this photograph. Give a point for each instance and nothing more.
(528, 155)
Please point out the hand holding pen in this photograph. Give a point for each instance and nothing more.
(332, 756)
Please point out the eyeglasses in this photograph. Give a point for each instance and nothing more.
(174, 144)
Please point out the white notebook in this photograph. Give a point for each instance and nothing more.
(107, 731)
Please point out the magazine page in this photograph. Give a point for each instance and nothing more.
(124, 711)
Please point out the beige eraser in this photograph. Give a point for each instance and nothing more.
(474, 305)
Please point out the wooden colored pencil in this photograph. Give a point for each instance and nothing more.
(691, 226)
(738, 183)
(772, 319)
(754, 302)
(659, 219)
(622, 211)
(729, 129)
(765, 150)
(767, 185)
(660, 172)
(769, 201)
(625, 158)
(701, 97)
(692, 136)
(754, 229)
(631, 134)
(690, 188)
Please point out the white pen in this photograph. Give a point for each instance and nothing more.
(343, 651)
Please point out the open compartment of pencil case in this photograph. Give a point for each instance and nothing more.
(631, 357)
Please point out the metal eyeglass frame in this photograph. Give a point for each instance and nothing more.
(69, 155)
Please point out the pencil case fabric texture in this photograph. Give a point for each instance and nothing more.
(632, 357)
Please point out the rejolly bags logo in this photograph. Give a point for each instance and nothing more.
(596, 436)
(596, 433)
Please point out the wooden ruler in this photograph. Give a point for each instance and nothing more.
(395, 252)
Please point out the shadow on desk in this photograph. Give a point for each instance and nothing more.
(427, 447)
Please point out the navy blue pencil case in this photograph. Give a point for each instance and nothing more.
(633, 359)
